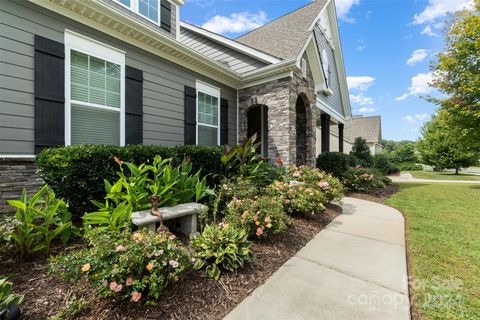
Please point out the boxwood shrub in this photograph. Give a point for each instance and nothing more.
(335, 163)
(76, 173)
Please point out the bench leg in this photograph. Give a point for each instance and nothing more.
(189, 224)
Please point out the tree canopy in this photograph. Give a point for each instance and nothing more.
(457, 74)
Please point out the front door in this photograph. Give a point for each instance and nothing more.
(257, 119)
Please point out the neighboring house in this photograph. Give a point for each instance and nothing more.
(130, 72)
(369, 128)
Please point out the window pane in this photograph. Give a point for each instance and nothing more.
(149, 9)
(207, 136)
(207, 109)
(79, 76)
(95, 126)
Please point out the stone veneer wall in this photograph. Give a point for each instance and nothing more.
(280, 97)
(15, 175)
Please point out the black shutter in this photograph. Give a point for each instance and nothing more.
(223, 121)
(133, 106)
(190, 115)
(166, 16)
(49, 105)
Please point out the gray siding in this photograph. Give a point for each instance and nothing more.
(335, 100)
(163, 86)
(233, 59)
(173, 31)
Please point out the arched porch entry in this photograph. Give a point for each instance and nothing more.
(257, 123)
(301, 130)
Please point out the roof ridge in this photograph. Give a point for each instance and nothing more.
(278, 18)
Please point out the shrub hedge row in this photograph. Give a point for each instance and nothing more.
(76, 173)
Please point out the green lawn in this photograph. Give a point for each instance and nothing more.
(443, 235)
(443, 175)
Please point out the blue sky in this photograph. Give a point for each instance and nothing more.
(387, 47)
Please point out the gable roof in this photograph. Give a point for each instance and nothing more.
(286, 36)
(369, 128)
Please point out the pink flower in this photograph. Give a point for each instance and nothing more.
(173, 263)
(255, 217)
(259, 232)
(120, 248)
(171, 237)
(114, 286)
(136, 296)
(129, 282)
(267, 219)
(297, 174)
(244, 214)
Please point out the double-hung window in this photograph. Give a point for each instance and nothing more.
(95, 92)
(149, 9)
(208, 115)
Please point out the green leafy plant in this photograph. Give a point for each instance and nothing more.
(361, 152)
(261, 216)
(364, 180)
(383, 163)
(221, 248)
(335, 163)
(7, 298)
(408, 166)
(124, 265)
(244, 161)
(77, 173)
(39, 220)
(110, 218)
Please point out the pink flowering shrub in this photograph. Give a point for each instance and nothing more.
(314, 178)
(128, 266)
(364, 180)
(298, 198)
(261, 216)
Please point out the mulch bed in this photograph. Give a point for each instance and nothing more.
(376, 195)
(193, 297)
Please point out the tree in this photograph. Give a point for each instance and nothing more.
(440, 148)
(361, 152)
(457, 74)
(405, 153)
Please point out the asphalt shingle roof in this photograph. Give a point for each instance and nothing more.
(284, 37)
(369, 128)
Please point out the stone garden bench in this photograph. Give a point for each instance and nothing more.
(187, 213)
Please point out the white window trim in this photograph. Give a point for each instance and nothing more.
(214, 92)
(91, 47)
(135, 7)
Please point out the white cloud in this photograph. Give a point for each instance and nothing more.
(202, 3)
(419, 86)
(439, 8)
(366, 110)
(236, 22)
(417, 56)
(411, 119)
(428, 32)
(343, 9)
(361, 83)
(361, 100)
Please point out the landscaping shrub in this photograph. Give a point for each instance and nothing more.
(335, 163)
(243, 161)
(364, 180)
(361, 152)
(221, 247)
(408, 166)
(382, 163)
(314, 178)
(7, 299)
(261, 216)
(77, 173)
(124, 265)
(38, 221)
(298, 198)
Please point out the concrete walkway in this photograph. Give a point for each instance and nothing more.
(354, 269)
(407, 177)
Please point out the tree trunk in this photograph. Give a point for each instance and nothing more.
(456, 170)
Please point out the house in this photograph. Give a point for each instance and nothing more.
(369, 128)
(130, 72)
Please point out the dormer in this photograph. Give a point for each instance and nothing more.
(160, 14)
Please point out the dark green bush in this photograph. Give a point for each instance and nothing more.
(409, 166)
(76, 173)
(382, 163)
(335, 163)
(361, 152)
